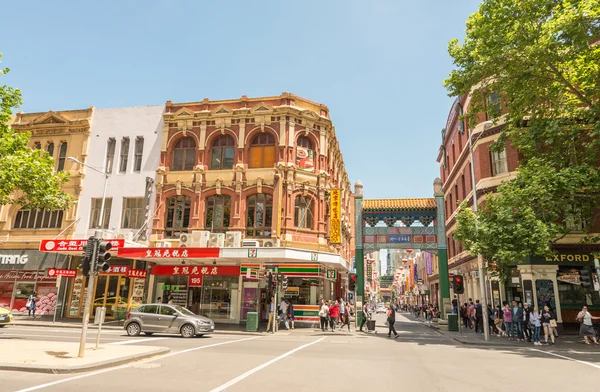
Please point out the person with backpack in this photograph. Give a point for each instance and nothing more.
(391, 319)
(31, 304)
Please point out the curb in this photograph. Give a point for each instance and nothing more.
(483, 344)
(85, 368)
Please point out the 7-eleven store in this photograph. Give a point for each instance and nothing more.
(225, 284)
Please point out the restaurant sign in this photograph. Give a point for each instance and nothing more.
(214, 270)
(67, 273)
(24, 275)
(335, 218)
(74, 245)
(169, 253)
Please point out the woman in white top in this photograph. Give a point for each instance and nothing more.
(323, 313)
(587, 326)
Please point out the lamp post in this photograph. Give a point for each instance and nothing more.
(106, 175)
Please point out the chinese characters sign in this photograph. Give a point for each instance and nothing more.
(73, 245)
(136, 273)
(67, 273)
(116, 270)
(169, 253)
(214, 270)
(335, 219)
(369, 272)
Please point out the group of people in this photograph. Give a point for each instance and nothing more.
(285, 314)
(428, 312)
(334, 312)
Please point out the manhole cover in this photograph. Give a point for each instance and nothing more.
(146, 365)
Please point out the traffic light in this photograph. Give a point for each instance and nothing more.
(352, 282)
(88, 250)
(585, 277)
(103, 256)
(284, 283)
(459, 284)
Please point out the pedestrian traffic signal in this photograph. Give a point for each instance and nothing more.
(352, 282)
(103, 256)
(459, 284)
(585, 277)
(284, 283)
(88, 250)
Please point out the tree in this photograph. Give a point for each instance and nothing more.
(26, 176)
(542, 57)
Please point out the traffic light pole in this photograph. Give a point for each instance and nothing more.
(88, 294)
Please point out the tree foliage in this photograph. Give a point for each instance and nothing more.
(543, 58)
(26, 175)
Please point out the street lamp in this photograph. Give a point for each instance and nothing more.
(483, 295)
(106, 175)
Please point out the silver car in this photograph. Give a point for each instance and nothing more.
(163, 318)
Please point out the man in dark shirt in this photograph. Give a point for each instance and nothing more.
(478, 317)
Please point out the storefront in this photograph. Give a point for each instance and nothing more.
(23, 272)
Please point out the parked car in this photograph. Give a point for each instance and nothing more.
(163, 318)
(5, 317)
(381, 308)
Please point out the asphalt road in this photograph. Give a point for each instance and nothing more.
(420, 360)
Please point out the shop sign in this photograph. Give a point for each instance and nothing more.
(562, 257)
(195, 281)
(571, 276)
(67, 273)
(116, 270)
(335, 220)
(23, 275)
(314, 256)
(331, 274)
(215, 270)
(252, 253)
(73, 245)
(136, 273)
(13, 259)
(169, 253)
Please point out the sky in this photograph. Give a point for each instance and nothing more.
(378, 65)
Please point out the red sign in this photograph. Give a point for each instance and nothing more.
(195, 281)
(214, 270)
(25, 275)
(73, 245)
(67, 273)
(136, 273)
(169, 253)
(116, 270)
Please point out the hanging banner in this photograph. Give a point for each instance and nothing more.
(169, 253)
(74, 245)
(428, 263)
(335, 218)
(147, 213)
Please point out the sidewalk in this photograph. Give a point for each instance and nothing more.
(61, 357)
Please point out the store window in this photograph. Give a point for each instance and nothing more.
(498, 162)
(184, 154)
(259, 209)
(62, 156)
(95, 213)
(262, 150)
(38, 219)
(302, 291)
(178, 216)
(134, 209)
(570, 290)
(219, 298)
(218, 213)
(176, 287)
(303, 212)
(222, 153)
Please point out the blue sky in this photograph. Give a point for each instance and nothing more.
(378, 65)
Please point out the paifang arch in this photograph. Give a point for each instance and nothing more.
(423, 227)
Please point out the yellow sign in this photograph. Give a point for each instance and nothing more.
(335, 218)
(569, 257)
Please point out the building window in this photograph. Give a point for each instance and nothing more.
(134, 209)
(305, 154)
(50, 149)
(124, 154)
(110, 154)
(494, 105)
(62, 156)
(95, 218)
(444, 158)
(37, 145)
(262, 150)
(461, 121)
(259, 215)
(303, 212)
(218, 213)
(178, 216)
(184, 154)
(222, 153)
(139, 151)
(38, 219)
(499, 162)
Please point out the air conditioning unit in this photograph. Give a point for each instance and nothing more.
(185, 240)
(233, 239)
(164, 244)
(271, 243)
(250, 244)
(126, 235)
(216, 240)
(200, 238)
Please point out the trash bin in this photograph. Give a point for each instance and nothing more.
(453, 322)
(119, 314)
(370, 325)
(252, 322)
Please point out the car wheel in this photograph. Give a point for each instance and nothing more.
(188, 330)
(149, 333)
(133, 329)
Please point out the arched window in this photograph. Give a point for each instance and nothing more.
(259, 215)
(62, 155)
(305, 154)
(37, 146)
(178, 216)
(303, 212)
(262, 150)
(222, 153)
(184, 154)
(218, 213)
(50, 149)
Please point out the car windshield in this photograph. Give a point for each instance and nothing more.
(183, 310)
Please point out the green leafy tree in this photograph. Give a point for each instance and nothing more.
(542, 57)
(26, 175)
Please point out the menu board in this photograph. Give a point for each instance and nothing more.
(76, 296)
(138, 291)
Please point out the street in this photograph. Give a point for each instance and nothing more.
(420, 359)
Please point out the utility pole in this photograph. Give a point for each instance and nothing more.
(89, 291)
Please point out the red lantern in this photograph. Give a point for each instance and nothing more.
(405, 260)
(409, 251)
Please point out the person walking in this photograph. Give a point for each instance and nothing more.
(464, 313)
(527, 322)
(478, 317)
(323, 315)
(346, 317)
(586, 330)
(31, 304)
(365, 310)
(334, 314)
(391, 319)
(508, 321)
(499, 320)
(518, 320)
(271, 315)
(549, 323)
(290, 313)
(283, 307)
(535, 319)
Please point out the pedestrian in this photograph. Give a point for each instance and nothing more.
(170, 300)
(586, 330)
(290, 313)
(323, 315)
(490, 316)
(283, 306)
(430, 314)
(391, 319)
(31, 304)
(499, 320)
(365, 316)
(534, 318)
(518, 320)
(471, 315)
(271, 315)
(478, 317)
(549, 323)
(334, 315)
(508, 320)
(527, 322)
(346, 317)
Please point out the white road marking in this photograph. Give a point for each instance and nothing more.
(79, 377)
(568, 358)
(264, 365)
(131, 341)
(89, 337)
(63, 330)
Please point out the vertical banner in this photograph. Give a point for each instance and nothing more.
(335, 218)
(369, 271)
(147, 214)
(428, 263)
